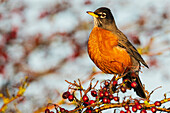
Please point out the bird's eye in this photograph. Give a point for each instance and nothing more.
(103, 15)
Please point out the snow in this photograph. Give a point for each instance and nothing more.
(65, 21)
(47, 58)
(15, 52)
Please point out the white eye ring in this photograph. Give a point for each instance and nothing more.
(103, 15)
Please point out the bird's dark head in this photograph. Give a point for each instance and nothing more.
(103, 18)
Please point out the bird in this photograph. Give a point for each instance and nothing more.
(112, 52)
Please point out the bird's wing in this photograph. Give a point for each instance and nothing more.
(124, 42)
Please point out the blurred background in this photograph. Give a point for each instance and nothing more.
(46, 40)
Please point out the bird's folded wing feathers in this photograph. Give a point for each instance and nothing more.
(123, 42)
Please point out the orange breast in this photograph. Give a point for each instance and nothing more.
(104, 52)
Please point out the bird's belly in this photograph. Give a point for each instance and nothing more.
(115, 63)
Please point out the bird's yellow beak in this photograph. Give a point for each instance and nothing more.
(92, 14)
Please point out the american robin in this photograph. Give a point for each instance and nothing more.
(112, 52)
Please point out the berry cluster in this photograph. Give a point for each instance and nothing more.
(134, 108)
(67, 95)
(103, 95)
(123, 86)
(94, 100)
(138, 106)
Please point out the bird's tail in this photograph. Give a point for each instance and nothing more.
(139, 89)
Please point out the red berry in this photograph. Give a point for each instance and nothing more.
(123, 89)
(108, 101)
(139, 107)
(157, 103)
(105, 100)
(101, 94)
(126, 107)
(85, 98)
(143, 111)
(116, 98)
(134, 108)
(136, 102)
(114, 83)
(66, 94)
(128, 111)
(62, 110)
(122, 111)
(97, 97)
(94, 93)
(134, 84)
(106, 94)
(153, 109)
(110, 97)
(92, 102)
(47, 111)
(70, 97)
(106, 83)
